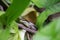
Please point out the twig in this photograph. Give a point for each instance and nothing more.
(5, 3)
(28, 36)
(25, 28)
(1, 8)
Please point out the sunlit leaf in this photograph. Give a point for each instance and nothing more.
(1, 13)
(14, 32)
(22, 34)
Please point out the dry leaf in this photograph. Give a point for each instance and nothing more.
(30, 14)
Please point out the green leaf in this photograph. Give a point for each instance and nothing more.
(15, 10)
(14, 31)
(1, 13)
(45, 3)
(44, 15)
(16, 34)
(1, 18)
(4, 34)
(49, 32)
(14, 27)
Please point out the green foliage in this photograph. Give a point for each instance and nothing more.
(52, 7)
(1, 13)
(50, 31)
(15, 10)
(45, 3)
(14, 32)
(8, 18)
(1, 19)
(43, 16)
